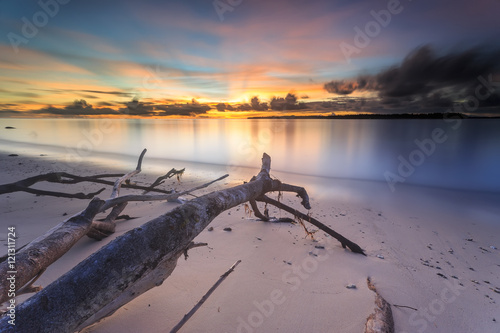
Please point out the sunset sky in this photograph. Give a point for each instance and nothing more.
(152, 58)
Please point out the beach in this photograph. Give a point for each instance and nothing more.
(335, 166)
(431, 253)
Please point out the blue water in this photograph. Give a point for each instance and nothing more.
(461, 154)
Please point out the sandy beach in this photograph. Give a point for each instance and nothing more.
(432, 254)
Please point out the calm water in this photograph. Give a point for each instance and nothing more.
(440, 153)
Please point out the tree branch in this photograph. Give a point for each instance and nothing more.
(204, 298)
(159, 180)
(118, 182)
(344, 241)
(166, 197)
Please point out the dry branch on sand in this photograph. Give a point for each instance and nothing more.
(68, 179)
(141, 259)
(34, 258)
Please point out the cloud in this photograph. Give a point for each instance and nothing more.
(132, 108)
(426, 78)
(286, 104)
(221, 107)
(115, 93)
(257, 105)
(77, 108)
(188, 109)
(341, 87)
(9, 110)
(19, 93)
(104, 103)
(137, 108)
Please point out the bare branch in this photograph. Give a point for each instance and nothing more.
(257, 212)
(140, 197)
(344, 241)
(118, 183)
(78, 195)
(301, 193)
(159, 180)
(101, 230)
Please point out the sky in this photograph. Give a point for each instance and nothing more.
(206, 58)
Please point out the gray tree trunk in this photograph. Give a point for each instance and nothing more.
(133, 263)
(130, 265)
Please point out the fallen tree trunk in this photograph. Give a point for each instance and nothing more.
(131, 264)
(43, 251)
(34, 258)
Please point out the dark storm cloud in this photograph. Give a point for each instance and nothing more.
(341, 87)
(422, 71)
(427, 78)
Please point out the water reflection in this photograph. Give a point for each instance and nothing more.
(362, 149)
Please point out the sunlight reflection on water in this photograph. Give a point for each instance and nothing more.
(358, 149)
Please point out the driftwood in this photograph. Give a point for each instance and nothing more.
(381, 320)
(99, 230)
(136, 261)
(68, 178)
(305, 200)
(34, 258)
(32, 261)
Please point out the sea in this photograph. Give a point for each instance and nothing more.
(447, 153)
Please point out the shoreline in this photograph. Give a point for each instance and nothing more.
(413, 230)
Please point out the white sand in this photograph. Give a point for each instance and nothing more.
(284, 283)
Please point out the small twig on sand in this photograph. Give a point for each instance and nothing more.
(404, 306)
(204, 298)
